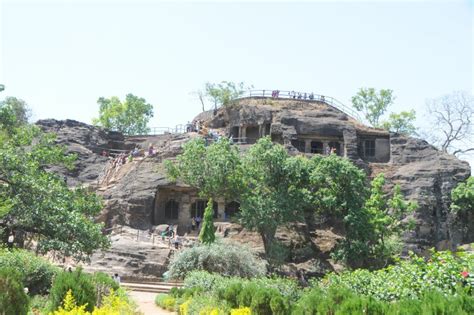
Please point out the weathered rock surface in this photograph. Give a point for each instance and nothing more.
(425, 174)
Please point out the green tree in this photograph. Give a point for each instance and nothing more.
(271, 197)
(373, 231)
(373, 104)
(130, 117)
(207, 235)
(462, 196)
(214, 170)
(19, 108)
(402, 123)
(223, 93)
(38, 202)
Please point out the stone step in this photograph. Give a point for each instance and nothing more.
(156, 287)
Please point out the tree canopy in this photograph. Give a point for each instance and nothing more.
(224, 92)
(402, 122)
(130, 117)
(37, 203)
(275, 189)
(373, 104)
(14, 112)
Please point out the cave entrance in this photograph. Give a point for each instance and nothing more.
(234, 133)
(252, 134)
(231, 209)
(198, 207)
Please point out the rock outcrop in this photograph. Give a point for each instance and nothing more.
(131, 191)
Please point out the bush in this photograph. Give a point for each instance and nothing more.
(13, 299)
(116, 303)
(228, 259)
(40, 304)
(279, 305)
(166, 301)
(35, 272)
(408, 279)
(81, 286)
(261, 302)
(103, 284)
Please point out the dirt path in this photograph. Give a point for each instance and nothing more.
(146, 303)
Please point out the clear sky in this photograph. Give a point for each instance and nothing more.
(61, 56)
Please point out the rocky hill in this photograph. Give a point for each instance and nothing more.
(134, 192)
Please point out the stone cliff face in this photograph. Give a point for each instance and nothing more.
(132, 192)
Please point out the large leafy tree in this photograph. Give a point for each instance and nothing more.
(272, 196)
(36, 203)
(215, 170)
(130, 117)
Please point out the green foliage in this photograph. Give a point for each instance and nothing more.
(408, 278)
(213, 170)
(129, 117)
(223, 93)
(373, 231)
(271, 197)
(14, 112)
(103, 284)
(462, 197)
(225, 258)
(402, 122)
(36, 201)
(207, 234)
(35, 273)
(81, 286)
(373, 104)
(13, 299)
(166, 301)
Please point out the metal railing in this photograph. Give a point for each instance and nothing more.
(275, 94)
(301, 96)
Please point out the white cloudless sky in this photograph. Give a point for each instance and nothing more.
(61, 56)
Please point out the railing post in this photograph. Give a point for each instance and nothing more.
(138, 233)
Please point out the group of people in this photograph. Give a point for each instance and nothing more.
(296, 95)
(195, 126)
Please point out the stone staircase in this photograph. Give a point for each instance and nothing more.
(153, 287)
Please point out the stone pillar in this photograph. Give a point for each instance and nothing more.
(307, 146)
(243, 131)
(261, 131)
(326, 148)
(220, 210)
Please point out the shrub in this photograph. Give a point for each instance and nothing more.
(261, 302)
(81, 286)
(408, 279)
(231, 293)
(279, 305)
(103, 284)
(13, 299)
(116, 303)
(166, 301)
(241, 311)
(229, 259)
(35, 272)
